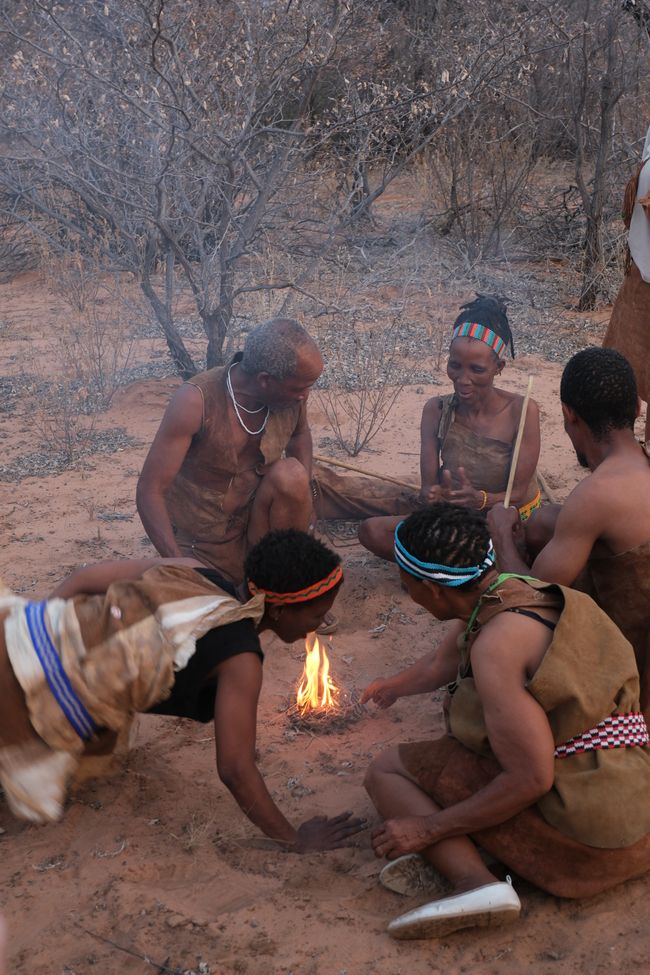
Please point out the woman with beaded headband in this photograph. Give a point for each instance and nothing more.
(467, 437)
(545, 763)
(162, 636)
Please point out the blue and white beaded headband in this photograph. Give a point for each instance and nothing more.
(472, 330)
(443, 575)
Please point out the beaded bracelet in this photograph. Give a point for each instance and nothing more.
(483, 503)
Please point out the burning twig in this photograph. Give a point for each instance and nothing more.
(321, 707)
(317, 690)
(327, 722)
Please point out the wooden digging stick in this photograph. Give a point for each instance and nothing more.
(515, 453)
(360, 470)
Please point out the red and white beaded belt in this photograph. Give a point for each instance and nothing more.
(619, 731)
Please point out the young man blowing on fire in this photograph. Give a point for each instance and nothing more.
(166, 636)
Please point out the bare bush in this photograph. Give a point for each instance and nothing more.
(216, 151)
(362, 381)
(480, 180)
(183, 143)
(141, 146)
(57, 414)
(94, 343)
(18, 252)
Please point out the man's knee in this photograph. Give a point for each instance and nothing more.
(376, 534)
(366, 533)
(387, 763)
(373, 535)
(289, 479)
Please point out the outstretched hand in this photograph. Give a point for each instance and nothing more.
(381, 692)
(327, 833)
(465, 495)
(395, 837)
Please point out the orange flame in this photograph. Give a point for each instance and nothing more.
(316, 690)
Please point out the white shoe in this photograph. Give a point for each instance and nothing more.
(488, 906)
(411, 875)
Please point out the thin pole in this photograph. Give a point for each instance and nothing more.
(515, 453)
(360, 470)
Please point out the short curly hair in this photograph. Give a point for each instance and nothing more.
(599, 385)
(273, 347)
(447, 534)
(288, 560)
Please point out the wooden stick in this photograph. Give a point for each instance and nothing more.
(359, 470)
(543, 483)
(515, 453)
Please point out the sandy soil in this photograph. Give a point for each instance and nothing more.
(156, 861)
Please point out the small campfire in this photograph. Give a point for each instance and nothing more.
(320, 704)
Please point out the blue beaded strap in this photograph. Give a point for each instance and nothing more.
(57, 679)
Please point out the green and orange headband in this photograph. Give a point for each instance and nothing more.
(305, 595)
(472, 330)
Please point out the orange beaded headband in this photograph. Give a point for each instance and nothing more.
(302, 595)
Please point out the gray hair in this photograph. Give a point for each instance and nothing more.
(273, 347)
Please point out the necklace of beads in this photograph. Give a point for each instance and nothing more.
(238, 406)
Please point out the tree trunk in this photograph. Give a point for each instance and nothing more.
(183, 362)
(217, 322)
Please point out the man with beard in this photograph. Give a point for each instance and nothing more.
(602, 532)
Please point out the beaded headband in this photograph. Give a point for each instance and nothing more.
(444, 575)
(472, 330)
(305, 595)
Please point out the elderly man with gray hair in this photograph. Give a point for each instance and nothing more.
(232, 457)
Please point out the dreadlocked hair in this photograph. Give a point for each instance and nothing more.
(446, 534)
(288, 560)
(489, 311)
(599, 384)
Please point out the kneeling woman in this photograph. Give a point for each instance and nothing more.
(546, 762)
(167, 636)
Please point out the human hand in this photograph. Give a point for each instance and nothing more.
(509, 537)
(395, 837)
(381, 692)
(464, 495)
(504, 522)
(327, 833)
(431, 493)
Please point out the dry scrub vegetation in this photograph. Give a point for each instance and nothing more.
(194, 168)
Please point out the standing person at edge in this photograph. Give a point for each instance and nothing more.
(629, 327)
(546, 763)
(215, 479)
(467, 437)
(603, 527)
(158, 636)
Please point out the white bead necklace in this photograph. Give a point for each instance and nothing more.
(239, 406)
